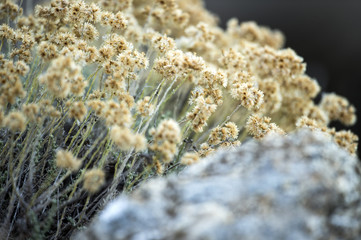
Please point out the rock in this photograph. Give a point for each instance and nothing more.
(298, 187)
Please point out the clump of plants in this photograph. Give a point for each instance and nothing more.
(98, 96)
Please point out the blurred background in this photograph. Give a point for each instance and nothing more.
(326, 33)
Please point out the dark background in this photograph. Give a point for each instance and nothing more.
(326, 33)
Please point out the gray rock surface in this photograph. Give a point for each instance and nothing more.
(297, 187)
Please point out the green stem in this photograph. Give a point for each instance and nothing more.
(79, 131)
(34, 84)
(109, 145)
(93, 77)
(84, 209)
(159, 104)
(1, 45)
(85, 137)
(144, 172)
(70, 131)
(28, 140)
(31, 72)
(117, 164)
(47, 194)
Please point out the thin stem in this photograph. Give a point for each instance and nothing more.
(144, 172)
(34, 83)
(95, 144)
(201, 138)
(28, 140)
(84, 209)
(85, 137)
(159, 104)
(47, 194)
(2, 43)
(79, 131)
(94, 76)
(69, 133)
(31, 72)
(117, 164)
(157, 90)
(229, 116)
(109, 145)
(117, 179)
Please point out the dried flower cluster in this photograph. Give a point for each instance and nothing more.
(98, 95)
(66, 160)
(165, 139)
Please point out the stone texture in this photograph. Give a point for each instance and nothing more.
(297, 187)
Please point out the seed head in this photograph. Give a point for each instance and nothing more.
(66, 160)
(94, 179)
(15, 121)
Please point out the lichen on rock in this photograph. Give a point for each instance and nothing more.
(300, 186)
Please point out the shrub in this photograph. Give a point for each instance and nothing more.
(98, 96)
